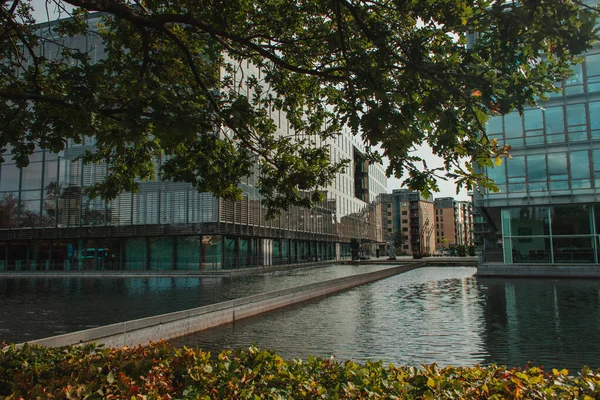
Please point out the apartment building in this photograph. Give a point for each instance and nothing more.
(408, 212)
(453, 223)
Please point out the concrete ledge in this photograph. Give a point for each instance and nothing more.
(539, 270)
(180, 323)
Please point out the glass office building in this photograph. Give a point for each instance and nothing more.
(548, 207)
(48, 223)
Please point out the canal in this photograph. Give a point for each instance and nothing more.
(444, 315)
(441, 315)
(37, 307)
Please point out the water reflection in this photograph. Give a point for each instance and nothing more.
(543, 321)
(442, 315)
(37, 307)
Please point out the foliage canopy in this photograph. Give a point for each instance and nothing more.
(397, 73)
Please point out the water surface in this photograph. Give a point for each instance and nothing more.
(37, 307)
(441, 315)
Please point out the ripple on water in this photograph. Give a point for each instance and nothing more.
(441, 315)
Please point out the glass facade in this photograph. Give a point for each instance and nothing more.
(549, 195)
(47, 222)
(550, 234)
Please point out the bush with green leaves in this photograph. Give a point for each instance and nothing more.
(159, 371)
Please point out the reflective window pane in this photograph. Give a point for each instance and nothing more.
(536, 167)
(573, 250)
(188, 252)
(513, 125)
(557, 166)
(570, 220)
(498, 174)
(9, 177)
(533, 119)
(592, 64)
(580, 164)
(8, 210)
(515, 166)
(494, 125)
(555, 121)
(529, 221)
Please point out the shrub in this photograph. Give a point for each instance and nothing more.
(472, 250)
(161, 371)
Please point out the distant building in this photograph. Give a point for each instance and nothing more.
(453, 223)
(407, 212)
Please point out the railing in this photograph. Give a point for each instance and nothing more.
(208, 263)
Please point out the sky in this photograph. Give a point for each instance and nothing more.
(447, 188)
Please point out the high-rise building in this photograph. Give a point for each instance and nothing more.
(453, 223)
(408, 212)
(47, 221)
(548, 207)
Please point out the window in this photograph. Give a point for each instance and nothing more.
(594, 110)
(515, 168)
(580, 169)
(513, 129)
(534, 127)
(557, 171)
(555, 124)
(404, 212)
(596, 158)
(494, 128)
(577, 122)
(592, 66)
(32, 176)
(574, 85)
(498, 175)
(536, 172)
(9, 177)
(405, 229)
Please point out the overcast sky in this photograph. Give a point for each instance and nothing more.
(447, 188)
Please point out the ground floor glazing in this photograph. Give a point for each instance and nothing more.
(193, 252)
(551, 234)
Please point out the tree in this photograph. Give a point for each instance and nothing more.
(399, 240)
(9, 211)
(397, 73)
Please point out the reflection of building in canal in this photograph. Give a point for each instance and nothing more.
(48, 222)
(543, 321)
